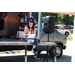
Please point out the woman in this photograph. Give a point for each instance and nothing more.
(29, 30)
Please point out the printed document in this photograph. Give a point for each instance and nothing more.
(31, 36)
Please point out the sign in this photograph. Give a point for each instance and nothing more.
(20, 34)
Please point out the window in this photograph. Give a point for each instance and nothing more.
(60, 28)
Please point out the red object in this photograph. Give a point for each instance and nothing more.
(65, 27)
(67, 13)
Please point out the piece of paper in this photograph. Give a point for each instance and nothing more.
(31, 36)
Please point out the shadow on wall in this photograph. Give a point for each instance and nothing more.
(11, 23)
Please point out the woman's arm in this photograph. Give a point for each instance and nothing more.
(35, 33)
(25, 31)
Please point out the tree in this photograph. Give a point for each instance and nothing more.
(44, 14)
(65, 19)
(60, 18)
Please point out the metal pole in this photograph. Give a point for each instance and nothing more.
(47, 48)
(39, 16)
(30, 14)
(25, 53)
(55, 55)
(73, 48)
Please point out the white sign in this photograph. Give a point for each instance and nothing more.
(31, 36)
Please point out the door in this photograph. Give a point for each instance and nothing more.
(61, 30)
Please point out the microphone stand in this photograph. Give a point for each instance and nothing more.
(47, 51)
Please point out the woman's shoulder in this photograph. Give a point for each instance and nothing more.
(34, 28)
(26, 27)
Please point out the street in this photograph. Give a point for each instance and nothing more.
(18, 56)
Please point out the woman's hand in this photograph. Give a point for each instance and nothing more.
(29, 32)
(26, 35)
(34, 37)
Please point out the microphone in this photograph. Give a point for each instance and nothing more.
(31, 31)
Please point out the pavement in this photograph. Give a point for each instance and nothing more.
(19, 56)
(70, 36)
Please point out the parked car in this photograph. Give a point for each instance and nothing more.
(63, 26)
(62, 30)
(70, 26)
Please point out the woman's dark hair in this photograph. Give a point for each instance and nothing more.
(30, 20)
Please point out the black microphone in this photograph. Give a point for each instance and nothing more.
(31, 31)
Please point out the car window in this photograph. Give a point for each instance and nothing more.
(42, 24)
(60, 28)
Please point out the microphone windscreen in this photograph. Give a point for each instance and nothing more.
(30, 29)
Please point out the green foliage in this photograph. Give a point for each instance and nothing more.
(66, 19)
(70, 39)
(60, 18)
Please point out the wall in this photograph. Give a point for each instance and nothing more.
(23, 13)
(11, 23)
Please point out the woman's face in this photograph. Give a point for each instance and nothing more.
(30, 24)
